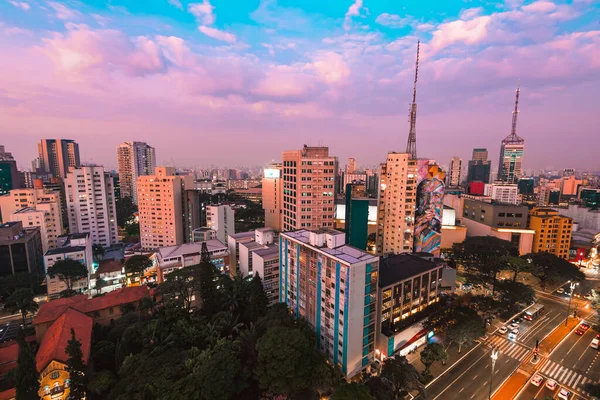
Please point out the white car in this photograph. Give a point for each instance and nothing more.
(537, 380)
(514, 326)
(551, 384)
(564, 394)
(503, 329)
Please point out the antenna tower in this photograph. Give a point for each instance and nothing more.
(411, 146)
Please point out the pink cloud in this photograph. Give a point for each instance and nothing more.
(218, 34)
(330, 67)
(470, 32)
(20, 4)
(64, 12)
(353, 11)
(203, 12)
(541, 6)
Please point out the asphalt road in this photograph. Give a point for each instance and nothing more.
(9, 328)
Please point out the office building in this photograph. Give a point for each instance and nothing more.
(308, 188)
(333, 286)
(510, 167)
(548, 195)
(203, 234)
(452, 231)
(10, 177)
(221, 219)
(552, 231)
(272, 196)
(479, 166)
(356, 222)
(171, 258)
(58, 156)
(76, 246)
(134, 159)
(91, 204)
(503, 192)
(526, 186)
(407, 285)
(455, 172)
(570, 185)
(397, 197)
(351, 166)
(161, 208)
(590, 197)
(20, 249)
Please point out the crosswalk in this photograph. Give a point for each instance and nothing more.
(563, 375)
(508, 347)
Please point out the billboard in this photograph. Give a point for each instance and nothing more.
(430, 205)
(272, 173)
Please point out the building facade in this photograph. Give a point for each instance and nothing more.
(134, 159)
(18, 199)
(58, 156)
(50, 229)
(264, 238)
(20, 249)
(76, 247)
(479, 167)
(356, 221)
(503, 192)
(221, 219)
(171, 258)
(91, 204)
(455, 171)
(9, 174)
(333, 286)
(397, 198)
(552, 231)
(308, 188)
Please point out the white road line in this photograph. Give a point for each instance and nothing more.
(577, 380)
(511, 351)
(575, 375)
(522, 354)
(505, 346)
(551, 367)
(544, 364)
(547, 366)
(583, 381)
(557, 371)
(565, 376)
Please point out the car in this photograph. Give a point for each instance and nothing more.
(560, 290)
(597, 336)
(515, 332)
(579, 332)
(514, 325)
(584, 326)
(551, 384)
(564, 394)
(595, 343)
(517, 320)
(503, 329)
(537, 380)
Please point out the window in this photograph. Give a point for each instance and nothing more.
(55, 375)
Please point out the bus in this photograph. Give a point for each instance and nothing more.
(533, 312)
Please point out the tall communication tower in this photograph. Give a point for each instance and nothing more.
(411, 146)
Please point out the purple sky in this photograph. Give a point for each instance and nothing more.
(206, 84)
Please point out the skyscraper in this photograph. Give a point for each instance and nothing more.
(58, 156)
(308, 188)
(9, 175)
(510, 168)
(455, 171)
(134, 159)
(351, 166)
(272, 196)
(479, 167)
(91, 204)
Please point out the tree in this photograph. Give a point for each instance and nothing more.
(285, 361)
(100, 283)
(401, 375)
(551, 269)
(100, 384)
(467, 327)
(136, 265)
(514, 294)
(431, 353)
(103, 355)
(351, 391)
(483, 257)
(516, 265)
(27, 280)
(69, 271)
(133, 229)
(258, 298)
(125, 210)
(22, 301)
(238, 294)
(180, 285)
(76, 368)
(207, 282)
(379, 388)
(27, 382)
(593, 389)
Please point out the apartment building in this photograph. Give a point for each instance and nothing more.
(91, 204)
(397, 199)
(171, 258)
(78, 247)
(31, 217)
(308, 188)
(504, 193)
(454, 176)
(134, 159)
(220, 218)
(552, 231)
(58, 156)
(263, 239)
(333, 286)
(272, 192)
(18, 199)
(20, 249)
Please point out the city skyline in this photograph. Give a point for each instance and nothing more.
(183, 76)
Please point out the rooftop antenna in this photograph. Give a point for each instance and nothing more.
(513, 131)
(411, 146)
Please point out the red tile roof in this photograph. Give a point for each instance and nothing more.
(108, 266)
(57, 336)
(9, 353)
(9, 394)
(52, 310)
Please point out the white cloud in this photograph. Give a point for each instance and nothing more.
(269, 47)
(393, 20)
(20, 4)
(330, 67)
(353, 11)
(63, 12)
(218, 34)
(203, 12)
(470, 13)
(540, 6)
(176, 3)
(101, 20)
(470, 32)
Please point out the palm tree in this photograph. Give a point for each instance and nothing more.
(22, 301)
(237, 295)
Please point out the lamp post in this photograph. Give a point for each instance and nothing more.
(572, 286)
(494, 358)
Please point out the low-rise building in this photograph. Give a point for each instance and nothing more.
(263, 238)
(112, 273)
(78, 247)
(20, 249)
(171, 258)
(552, 231)
(265, 263)
(221, 219)
(50, 228)
(203, 234)
(233, 245)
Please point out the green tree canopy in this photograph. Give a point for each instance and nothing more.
(401, 375)
(27, 382)
(511, 294)
(208, 275)
(379, 388)
(181, 285)
(467, 327)
(258, 298)
(69, 271)
(351, 391)
(137, 264)
(433, 352)
(22, 301)
(593, 389)
(21, 280)
(551, 269)
(125, 210)
(76, 369)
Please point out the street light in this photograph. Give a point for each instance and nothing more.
(572, 286)
(494, 358)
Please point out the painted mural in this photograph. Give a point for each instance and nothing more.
(430, 205)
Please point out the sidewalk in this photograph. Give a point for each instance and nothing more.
(438, 368)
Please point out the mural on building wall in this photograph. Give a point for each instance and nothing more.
(430, 204)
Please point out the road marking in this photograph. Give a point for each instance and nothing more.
(461, 375)
(577, 380)
(475, 377)
(572, 380)
(460, 391)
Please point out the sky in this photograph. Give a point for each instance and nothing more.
(217, 82)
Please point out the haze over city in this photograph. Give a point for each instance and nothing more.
(259, 77)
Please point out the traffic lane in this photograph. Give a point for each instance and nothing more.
(542, 326)
(531, 391)
(575, 352)
(462, 368)
(478, 388)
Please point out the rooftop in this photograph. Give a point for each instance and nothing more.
(190, 248)
(397, 268)
(64, 250)
(9, 224)
(242, 235)
(270, 250)
(26, 210)
(108, 266)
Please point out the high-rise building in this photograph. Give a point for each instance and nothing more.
(503, 192)
(351, 166)
(479, 167)
(333, 286)
(272, 192)
(455, 171)
(552, 231)
(221, 219)
(39, 199)
(160, 205)
(134, 159)
(397, 197)
(510, 168)
(357, 216)
(429, 208)
(58, 156)
(9, 174)
(91, 204)
(526, 186)
(308, 188)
